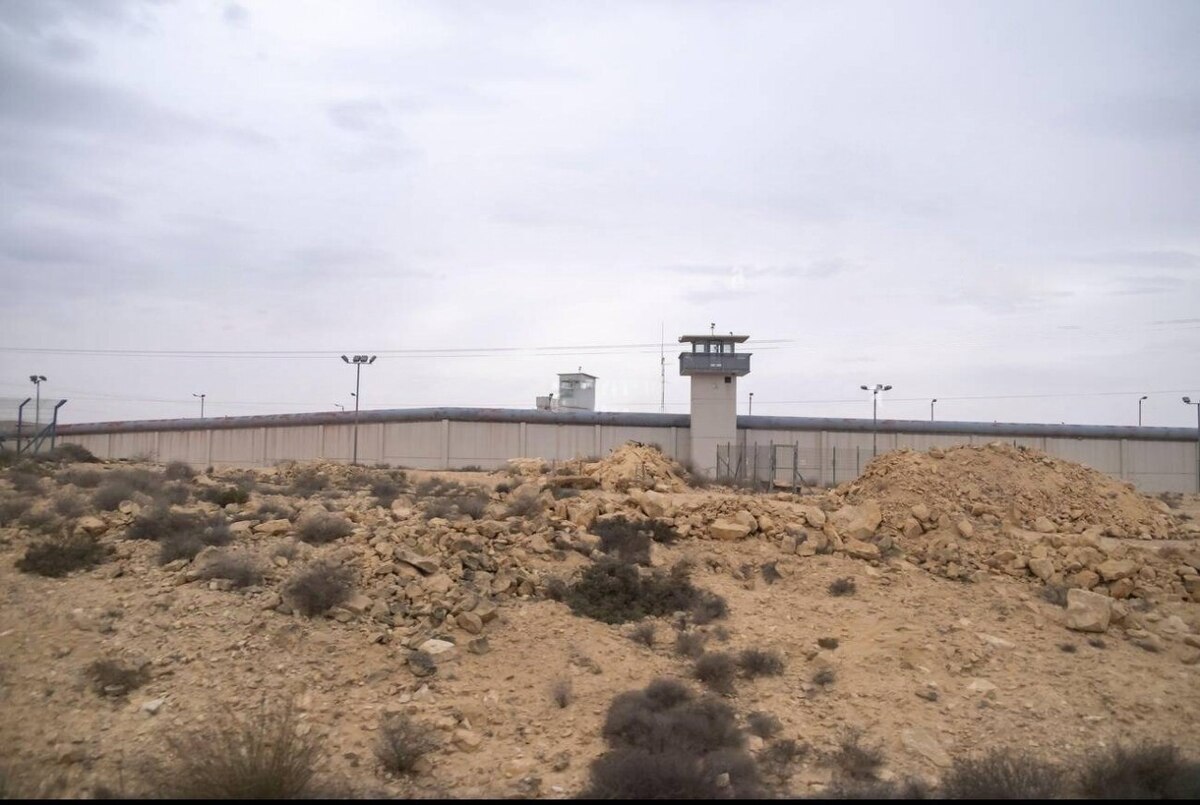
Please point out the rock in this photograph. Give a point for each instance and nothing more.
(861, 550)
(920, 512)
(358, 604)
(1084, 579)
(478, 645)
(1120, 589)
(996, 642)
(466, 740)
(1042, 525)
(469, 622)
(747, 519)
(912, 528)
(728, 530)
(424, 564)
(787, 544)
(858, 522)
(242, 528)
(965, 529)
(401, 510)
(1088, 611)
(91, 525)
(926, 745)
(1151, 642)
(814, 516)
(981, 686)
(1114, 569)
(654, 504)
(273, 528)
(152, 707)
(1042, 568)
(434, 647)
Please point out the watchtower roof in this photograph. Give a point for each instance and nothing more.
(731, 339)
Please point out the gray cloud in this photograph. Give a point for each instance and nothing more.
(236, 14)
(1147, 259)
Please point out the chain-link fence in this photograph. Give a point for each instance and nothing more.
(27, 424)
(788, 466)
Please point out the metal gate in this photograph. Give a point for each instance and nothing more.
(760, 466)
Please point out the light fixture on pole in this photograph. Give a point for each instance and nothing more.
(1140, 400)
(875, 414)
(37, 381)
(201, 396)
(751, 413)
(339, 405)
(358, 362)
(1188, 400)
(931, 402)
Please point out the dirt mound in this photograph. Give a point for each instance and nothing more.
(1017, 485)
(637, 463)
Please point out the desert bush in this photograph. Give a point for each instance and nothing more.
(690, 644)
(180, 535)
(436, 486)
(318, 588)
(908, 788)
(664, 742)
(1002, 774)
(717, 671)
(856, 759)
(556, 589)
(109, 495)
(824, 677)
(781, 754)
(563, 492)
(262, 755)
(82, 477)
(70, 506)
(1097, 642)
(60, 554)
(402, 742)
(25, 481)
(450, 499)
(757, 662)
(179, 471)
(526, 505)
(629, 540)
(562, 692)
(274, 508)
(11, 509)
(308, 481)
(240, 568)
(828, 643)
(114, 678)
(176, 493)
(708, 607)
(762, 724)
(1068, 648)
(224, 495)
(385, 490)
(319, 528)
(1146, 771)
(614, 592)
(1055, 594)
(42, 519)
(643, 634)
(843, 586)
(71, 453)
(504, 487)
(140, 478)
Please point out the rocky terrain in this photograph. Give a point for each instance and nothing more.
(941, 605)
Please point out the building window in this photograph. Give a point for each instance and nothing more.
(728, 379)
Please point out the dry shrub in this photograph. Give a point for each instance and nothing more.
(70, 506)
(71, 453)
(385, 490)
(60, 554)
(644, 634)
(308, 482)
(828, 643)
(756, 662)
(614, 592)
(40, 519)
(1055, 594)
(824, 677)
(562, 692)
(180, 535)
(225, 495)
(263, 755)
(25, 480)
(449, 499)
(319, 528)
(526, 506)
(274, 509)
(690, 644)
(82, 477)
(240, 568)
(176, 493)
(318, 588)
(11, 509)
(763, 724)
(857, 760)
(716, 670)
(402, 742)
(114, 678)
(179, 471)
(1002, 774)
(1146, 771)
(111, 493)
(629, 540)
(843, 586)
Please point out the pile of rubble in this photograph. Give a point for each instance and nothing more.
(634, 463)
(1017, 485)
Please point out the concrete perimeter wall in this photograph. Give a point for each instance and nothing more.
(830, 450)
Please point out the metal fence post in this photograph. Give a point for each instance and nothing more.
(834, 483)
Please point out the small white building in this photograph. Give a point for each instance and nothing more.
(576, 392)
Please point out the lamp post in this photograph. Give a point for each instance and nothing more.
(751, 412)
(339, 405)
(1140, 400)
(875, 414)
(358, 362)
(201, 396)
(1188, 400)
(931, 402)
(37, 381)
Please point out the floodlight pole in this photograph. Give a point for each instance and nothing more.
(875, 414)
(931, 402)
(1140, 400)
(751, 412)
(201, 396)
(358, 362)
(37, 406)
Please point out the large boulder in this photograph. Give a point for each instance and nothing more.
(861, 550)
(858, 522)
(1088, 611)
(1114, 569)
(728, 530)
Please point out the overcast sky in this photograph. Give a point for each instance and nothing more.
(995, 204)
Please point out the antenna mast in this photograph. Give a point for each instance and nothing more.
(662, 367)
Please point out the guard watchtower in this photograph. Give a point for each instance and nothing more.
(714, 364)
